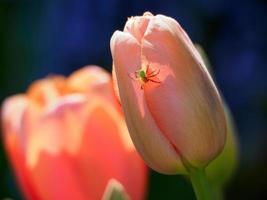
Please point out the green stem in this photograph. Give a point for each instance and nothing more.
(200, 184)
(218, 193)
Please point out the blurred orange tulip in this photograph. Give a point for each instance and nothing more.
(171, 105)
(66, 139)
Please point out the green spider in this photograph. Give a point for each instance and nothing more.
(145, 75)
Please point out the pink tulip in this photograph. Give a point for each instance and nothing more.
(66, 139)
(172, 107)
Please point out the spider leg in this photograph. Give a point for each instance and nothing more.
(153, 73)
(147, 67)
(154, 81)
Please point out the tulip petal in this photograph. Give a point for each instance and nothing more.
(68, 144)
(137, 26)
(56, 177)
(89, 79)
(150, 142)
(123, 157)
(55, 129)
(47, 90)
(190, 120)
(13, 110)
(61, 135)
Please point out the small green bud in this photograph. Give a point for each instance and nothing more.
(115, 191)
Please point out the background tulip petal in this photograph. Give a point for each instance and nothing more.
(90, 79)
(85, 159)
(47, 90)
(67, 138)
(12, 111)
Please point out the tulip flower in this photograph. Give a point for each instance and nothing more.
(66, 139)
(172, 107)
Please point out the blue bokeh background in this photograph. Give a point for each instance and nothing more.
(38, 38)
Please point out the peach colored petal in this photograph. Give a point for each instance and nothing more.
(16, 158)
(56, 129)
(81, 168)
(183, 104)
(152, 145)
(62, 135)
(88, 79)
(178, 31)
(121, 156)
(55, 176)
(47, 90)
(136, 26)
(60, 127)
(115, 84)
(12, 112)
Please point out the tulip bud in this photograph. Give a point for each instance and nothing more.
(66, 139)
(172, 107)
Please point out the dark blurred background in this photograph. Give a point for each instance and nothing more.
(38, 38)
